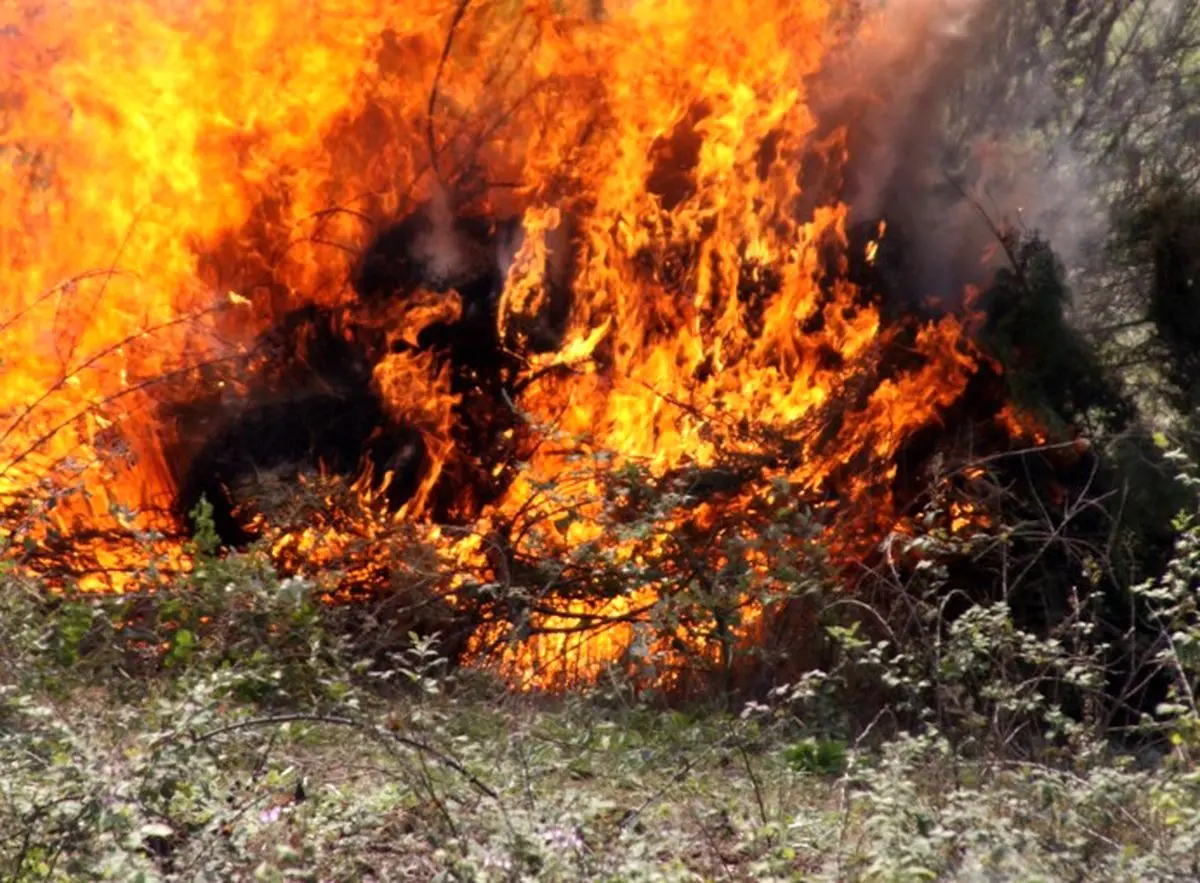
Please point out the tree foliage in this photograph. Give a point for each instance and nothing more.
(1051, 367)
(1162, 234)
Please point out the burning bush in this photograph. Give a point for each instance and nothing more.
(554, 323)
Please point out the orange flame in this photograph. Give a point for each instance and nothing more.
(174, 177)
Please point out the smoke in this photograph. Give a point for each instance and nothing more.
(889, 85)
(943, 148)
(439, 249)
(452, 250)
(944, 142)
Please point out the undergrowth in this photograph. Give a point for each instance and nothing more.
(230, 726)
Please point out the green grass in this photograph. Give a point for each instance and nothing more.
(186, 785)
(269, 744)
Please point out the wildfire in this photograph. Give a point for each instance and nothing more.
(178, 179)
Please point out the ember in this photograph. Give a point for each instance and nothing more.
(479, 278)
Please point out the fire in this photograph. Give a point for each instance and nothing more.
(177, 179)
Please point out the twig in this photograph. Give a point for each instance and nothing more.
(36, 444)
(657, 795)
(427, 780)
(519, 745)
(1004, 240)
(50, 292)
(373, 731)
(758, 795)
(99, 356)
(431, 136)
(679, 776)
(107, 277)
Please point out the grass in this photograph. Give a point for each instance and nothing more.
(231, 728)
(183, 784)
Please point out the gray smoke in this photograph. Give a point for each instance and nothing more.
(945, 150)
(440, 249)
